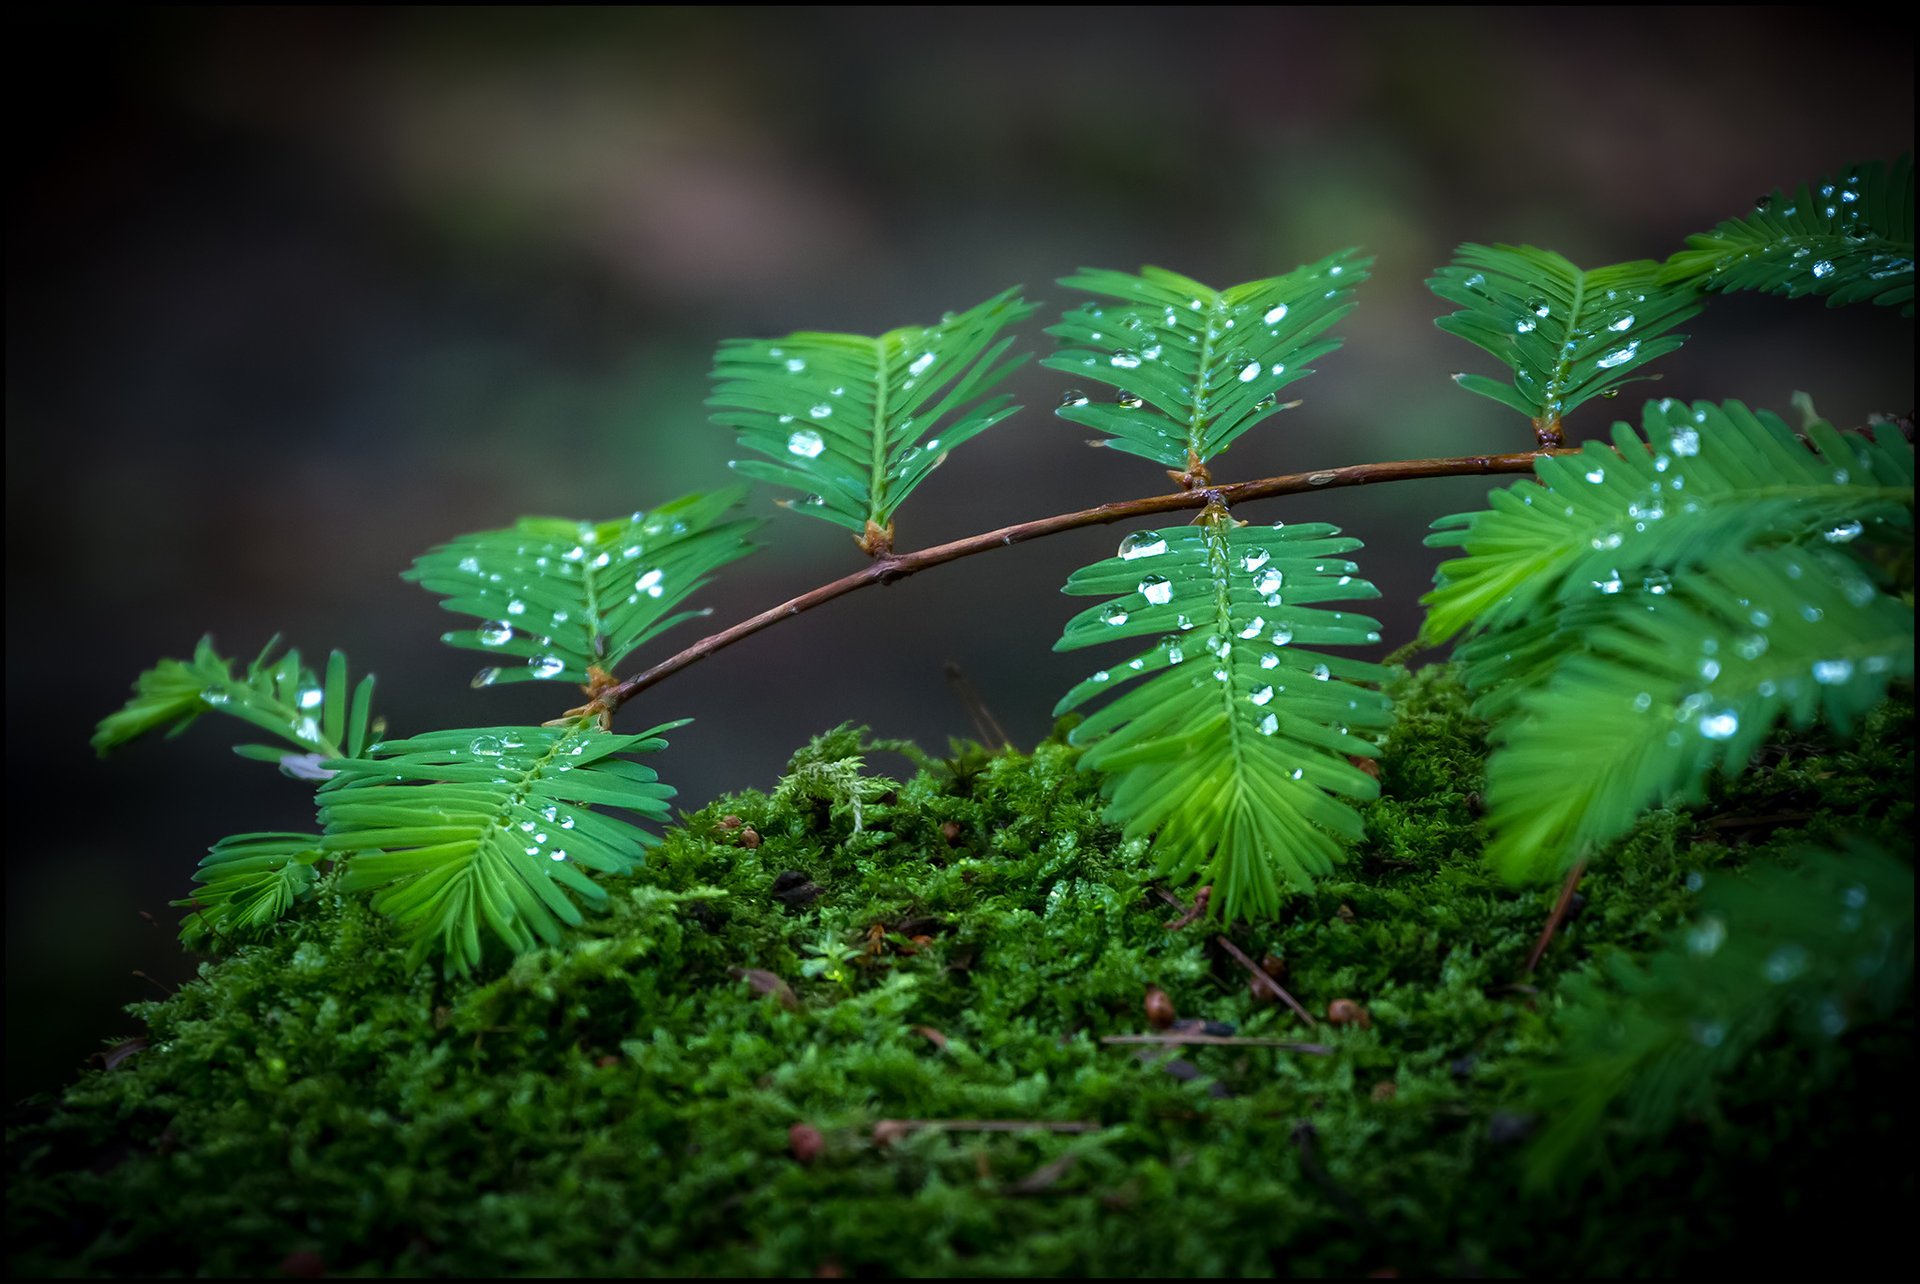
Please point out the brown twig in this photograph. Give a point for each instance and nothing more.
(1225, 1040)
(1554, 919)
(1262, 980)
(889, 566)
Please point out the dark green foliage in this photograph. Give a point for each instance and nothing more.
(490, 826)
(1825, 945)
(1569, 335)
(621, 1104)
(1849, 238)
(1194, 367)
(855, 423)
(564, 596)
(282, 697)
(1230, 749)
(1647, 613)
(248, 882)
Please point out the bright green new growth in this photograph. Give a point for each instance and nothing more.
(1195, 367)
(855, 423)
(1706, 479)
(248, 883)
(490, 826)
(566, 596)
(1569, 335)
(1849, 238)
(1231, 749)
(1819, 949)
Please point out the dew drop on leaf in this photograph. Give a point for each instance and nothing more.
(1142, 544)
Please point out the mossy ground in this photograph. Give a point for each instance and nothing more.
(623, 1105)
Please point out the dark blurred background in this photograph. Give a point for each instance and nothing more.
(293, 295)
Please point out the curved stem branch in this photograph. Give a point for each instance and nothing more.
(891, 566)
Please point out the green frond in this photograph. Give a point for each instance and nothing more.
(1812, 951)
(1569, 335)
(490, 827)
(1231, 745)
(248, 883)
(1193, 367)
(1705, 480)
(1849, 237)
(556, 597)
(320, 719)
(855, 423)
(1685, 683)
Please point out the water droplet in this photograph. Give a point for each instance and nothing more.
(1526, 325)
(485, 678)
(1810, 613)
(1269, 582)
(920, 364)
(494, 632)
(1719, 726)
(1643, 701)
(1269, 725)
(1762, 203)
(1101, 676)
(1127, 400)
(1073, 397)
(1157, 589)
(545, 666)
(516, 607)
(1282, 635)
(486, 746)
(1255, 559)
(1709, 670)
(471, 565)
(1619, 356)
(1261, 695)
(1596, 475)
(1830, 673)
(1254, 626)
(1115, 614)
(1823, 268)
(820, 411)
(1275, 314)
(1786, 963)
(1845, 533)
(1125, 360)
(1250, 372)
(1319, 479)
(1142, 544)
(1321, 673)
(1622, 324)
(311, 698)
(1709, 1034)
(1174, 653)
(1269, 661)
(1706, 937)
(650, 583)
(1686, 442)
(806, 443)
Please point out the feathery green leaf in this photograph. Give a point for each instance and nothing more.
(1814, 950)
(1705, 481)
(282, 697)
(249, 882)
(855, 423)
(1849, 238)
(1231, 747)
(1196, 367)
(490, 827)
(1569, 335)
(560, 596)
(1684, 683)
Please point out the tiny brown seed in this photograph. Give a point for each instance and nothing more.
(749, 838)
(1160, 1013)
(728, 823)
(1347, 1012)
(1274, 966)
(805, 1141)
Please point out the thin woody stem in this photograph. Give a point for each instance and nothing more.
(890, 566)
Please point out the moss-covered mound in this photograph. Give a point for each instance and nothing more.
(734, 1071)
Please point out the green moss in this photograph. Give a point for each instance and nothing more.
(623, 1105)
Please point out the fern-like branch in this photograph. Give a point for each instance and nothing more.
(1681, 684)
(319, 719)
(1230, 747)
(1706, 479)
(1569, 335)
(1194, 367)
(1849, 238)
(856, 423)
(1813, 950)
(490, 827)
(248, 883)
(563, 597)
